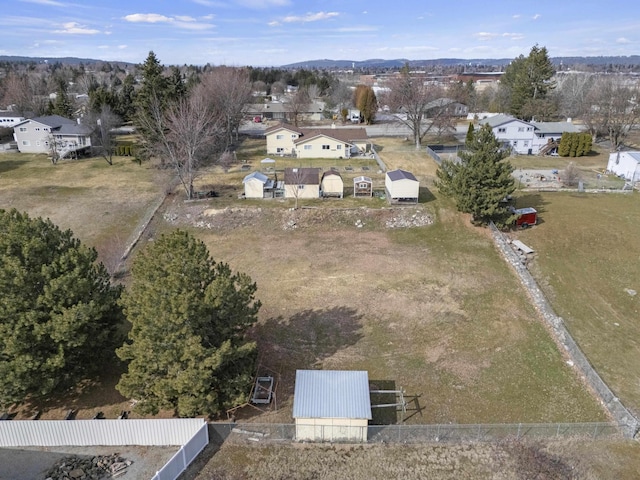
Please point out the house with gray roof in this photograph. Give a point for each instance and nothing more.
(331, 405)
(52, 134)
(526, 137)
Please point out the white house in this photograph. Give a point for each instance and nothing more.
(52, 133)
(331, 405)
(401, 187)
(526, 137)
(10, 119)
(317, 143)
(625, 164)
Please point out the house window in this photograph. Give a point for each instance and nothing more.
(308, 147)
(279, 137)
(23, 129)
(515, 143)
(326, 147)
(37, 129)
(363, 185)
(521, 129)
(294, 136)
(26, 143)
(339, 147)
(502, 130)
(529, 129)
(279, 150)
(300, 187)
(526, 143)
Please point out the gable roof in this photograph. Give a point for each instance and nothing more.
(362, 178)
(396, 175)
(302, 176)
(500, 119)
(345, 135)
(554, 127)
(330, 172)
(60, 124)
(261, 177)
(331, 394)
(281, 126)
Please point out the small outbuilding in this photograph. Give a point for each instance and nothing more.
(331, 184)
(625, 164)
(362, 187)
(401, 187)
(331, 405)
(302, 182)
(258, 185)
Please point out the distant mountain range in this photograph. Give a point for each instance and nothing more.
(374, 63)
(451, 62)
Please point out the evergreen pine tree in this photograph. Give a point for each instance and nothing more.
(469, 137)
(187, 349)
(481, 180)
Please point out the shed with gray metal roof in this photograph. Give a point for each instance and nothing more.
(331, 405)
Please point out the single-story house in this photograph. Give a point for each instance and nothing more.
(526, 137)
(625, 164)
(331, 405)
(448, 105)
(331, 184)
(362, 187)
(301, 183)
(312, 112)
(317, 142)
(52, 133)
(401, 187)
(258, 185)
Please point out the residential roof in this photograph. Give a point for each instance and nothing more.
(282, 126)
(554, 127)
(61, 125)
(346, 135)
(499, 119)
(396, 175)
(634, 155)
(302, 176)
(261, 177)
(331, 171)
(361, 179)
(331, 394)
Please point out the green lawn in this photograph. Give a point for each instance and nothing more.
(587, 261)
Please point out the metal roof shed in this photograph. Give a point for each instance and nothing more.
(401, 187)
(331, 405)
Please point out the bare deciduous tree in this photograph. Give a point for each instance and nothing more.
(298, 104)
(228, 91)
(102, 124)
(186, 135)
(611, 109)
(409, 96)
(571, 175)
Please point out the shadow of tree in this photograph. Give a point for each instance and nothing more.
(304, 339)
(425, 195)
(7, 165)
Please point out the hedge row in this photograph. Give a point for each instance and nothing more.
(574, 144)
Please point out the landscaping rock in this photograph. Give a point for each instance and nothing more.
(88, 468)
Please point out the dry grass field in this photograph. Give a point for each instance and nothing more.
(433, 309)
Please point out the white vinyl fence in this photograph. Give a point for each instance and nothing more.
(187, 454)
(55, 433)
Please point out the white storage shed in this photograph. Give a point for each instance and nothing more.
(331, 405)
(401, 187)
(625, 164)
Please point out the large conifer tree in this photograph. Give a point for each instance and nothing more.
(480, 180)
(187, 349)
(58, 312)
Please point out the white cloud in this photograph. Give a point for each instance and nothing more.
(122, 47)
(486, 36)
(185, 18)
(310, 17)
(623, 40)
(208, 3)
(50, 3)
(536, 16)
(263, 4)
(147, 18)
(75, 28)
(517, 15)
(211, 16)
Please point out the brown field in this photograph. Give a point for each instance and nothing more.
(433, 309)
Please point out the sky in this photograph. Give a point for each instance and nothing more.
(279, 32)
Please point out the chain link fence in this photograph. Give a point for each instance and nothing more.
(273, 433)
